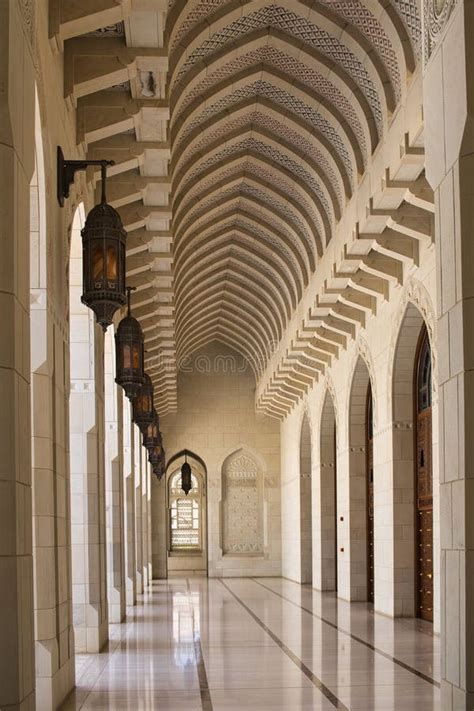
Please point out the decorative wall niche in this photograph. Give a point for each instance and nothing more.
(242, 505)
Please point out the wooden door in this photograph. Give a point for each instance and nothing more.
(424, 483)
(370, 496)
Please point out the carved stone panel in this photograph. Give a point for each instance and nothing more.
(242, 505)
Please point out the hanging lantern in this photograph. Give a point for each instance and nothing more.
(129, 348)
(152, 434)
(103, 259)
(159, 467)
(186, 482)
(142, 404)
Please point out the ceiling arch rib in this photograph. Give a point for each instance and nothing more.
(340, 51)
(278, 163)
(254, 302)
(261, 251)
(257, 225)
(275, 111)
(281, 220)
(239, 284)
(263, 120)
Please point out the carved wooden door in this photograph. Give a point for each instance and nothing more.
(424, 483)
(370, 497)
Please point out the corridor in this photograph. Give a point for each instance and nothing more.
(257, 644)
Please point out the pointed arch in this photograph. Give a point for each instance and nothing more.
(306, 529)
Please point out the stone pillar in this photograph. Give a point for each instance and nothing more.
(148, 509)
(449, 112)
(129, 484)
(114, 483)
(138, 510)
(144, 472)
(159, 524)
(86, 413)
(16, 166)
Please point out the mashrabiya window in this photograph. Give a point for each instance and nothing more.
(185, 515)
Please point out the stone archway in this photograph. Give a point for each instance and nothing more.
(306, 528)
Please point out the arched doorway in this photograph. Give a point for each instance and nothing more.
(326, 574)
(361, 530)
(423, 480)
(306, 529)
(369, 428)
(187, 517)
(415, 474)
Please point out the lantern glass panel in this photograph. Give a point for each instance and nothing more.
(97, 266)
(111, 265)
(127, 360)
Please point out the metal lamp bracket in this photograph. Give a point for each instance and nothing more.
(66, 170)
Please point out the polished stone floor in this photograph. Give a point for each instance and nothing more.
(263, 644)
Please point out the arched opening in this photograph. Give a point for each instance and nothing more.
(423, 480)
(187, 519)
(114, 483)
(326, 532)
(86, 461)
(306, 529)
(416, 566)
(369, 428)
(361, 533)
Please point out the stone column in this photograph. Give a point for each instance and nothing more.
(129, 483)
(114, 482)
(86, 413)
(16, 169)
(138, 510)
(449, 112)
(144, 472)
(159, 524)
(148, 509)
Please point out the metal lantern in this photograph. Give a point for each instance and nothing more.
(129, 349)
(186, 482)
(103, 259)
(142, 404)
(159, 467)
(152, 434)
(155, 455)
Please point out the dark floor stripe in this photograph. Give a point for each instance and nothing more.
(370, 646)
(206, 701)
(296, 660)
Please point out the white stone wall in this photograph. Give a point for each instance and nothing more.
(393, 455)
(216, 417)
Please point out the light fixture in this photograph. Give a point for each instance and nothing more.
(142, 404)
(159, 465)
(186, 481)
(152, 434)
(103, 245)
(129, 349)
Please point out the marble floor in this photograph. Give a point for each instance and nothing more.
(262, 644)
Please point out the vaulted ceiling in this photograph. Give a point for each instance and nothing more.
(240, 130)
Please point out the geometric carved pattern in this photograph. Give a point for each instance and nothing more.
(279, 130)
(242, 505)
(252, 144)
(292, 68)
(290, 103)
(300, 28)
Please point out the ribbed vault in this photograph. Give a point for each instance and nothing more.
(275, 111)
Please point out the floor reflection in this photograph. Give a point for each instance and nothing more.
(258, 645)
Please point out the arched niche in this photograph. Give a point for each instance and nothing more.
(242, 505)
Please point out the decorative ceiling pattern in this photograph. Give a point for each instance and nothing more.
(275, 111)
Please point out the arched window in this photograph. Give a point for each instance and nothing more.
(185, 518)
